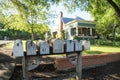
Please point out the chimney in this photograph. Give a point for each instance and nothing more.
(60, 24)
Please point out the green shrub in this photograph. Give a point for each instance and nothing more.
(107, 42)
(118, 38)
(91, 39)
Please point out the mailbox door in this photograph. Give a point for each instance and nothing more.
(18, 49)
(44, 48)
(30, 48)
(58, 46)
(69, 46)
(86, 44)
(78, 46)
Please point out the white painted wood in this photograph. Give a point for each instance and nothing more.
(69, 46)
(86, 44)
(32, 62)
(78, 45)
(72, 58)
(18, 48)
(30, 47)
(44, 47)
(58, 46)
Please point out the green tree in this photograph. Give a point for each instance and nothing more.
(33, 11)
(30, 13)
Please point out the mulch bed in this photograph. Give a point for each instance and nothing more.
(109, 71)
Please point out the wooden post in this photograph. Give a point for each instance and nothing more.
(24, 68)
(79, 67)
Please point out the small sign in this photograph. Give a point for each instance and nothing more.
(44, 47)
(30, 47)
(85, 44)
(18, 48)
(58, 46)
(78, 45)
(72, 58)
(69, 46)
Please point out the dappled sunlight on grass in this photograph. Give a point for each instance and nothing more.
(105, 48)
(92, 52)
(101, 49)
(9, 45)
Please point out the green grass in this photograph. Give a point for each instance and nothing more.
(9, 46)
(101, 49)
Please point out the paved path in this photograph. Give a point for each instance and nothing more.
(7, 62)
(2, 42)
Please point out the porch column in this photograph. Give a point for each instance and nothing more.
(76, 31)
(90, 31)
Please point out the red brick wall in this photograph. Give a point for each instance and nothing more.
(88, 61)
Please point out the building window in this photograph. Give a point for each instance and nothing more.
(84, 31)
(73, 31)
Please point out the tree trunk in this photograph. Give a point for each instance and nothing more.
(32, 33)
(116, 8)
(114, 30)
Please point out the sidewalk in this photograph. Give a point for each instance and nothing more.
(2, 42)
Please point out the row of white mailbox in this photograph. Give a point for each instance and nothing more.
(58, 46)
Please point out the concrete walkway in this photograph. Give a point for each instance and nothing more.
(2, 42)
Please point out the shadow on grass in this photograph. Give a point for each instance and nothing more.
(93, 52)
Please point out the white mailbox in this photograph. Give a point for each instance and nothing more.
(44, 47)
(69, 46)
(58, 46)
(18, 48)
(85, 44)
(78, 45)
(30, 48)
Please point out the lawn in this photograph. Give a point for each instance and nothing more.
(101, 49)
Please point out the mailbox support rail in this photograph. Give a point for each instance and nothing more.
(78, 66)
(30, 58)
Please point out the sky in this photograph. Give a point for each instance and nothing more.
(83, 14)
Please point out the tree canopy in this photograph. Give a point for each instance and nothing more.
(32, 13)
(26, 15)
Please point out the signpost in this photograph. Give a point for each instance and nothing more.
(72, 48)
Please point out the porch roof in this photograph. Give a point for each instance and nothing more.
(86, 24)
